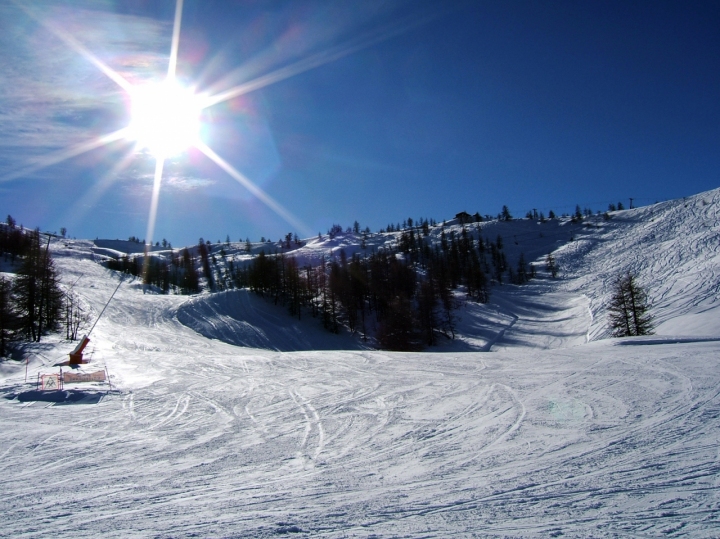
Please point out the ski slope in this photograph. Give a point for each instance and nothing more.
(550, 431)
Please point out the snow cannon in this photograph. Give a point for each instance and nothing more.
(76, 356)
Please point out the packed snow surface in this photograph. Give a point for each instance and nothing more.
(550, 432)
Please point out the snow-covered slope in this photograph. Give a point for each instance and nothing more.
(241, 318)
(200, 438)
(674, 249)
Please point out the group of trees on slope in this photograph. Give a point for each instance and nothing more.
(178, 273)
(407, 294)
(404, 295)
(33, 303)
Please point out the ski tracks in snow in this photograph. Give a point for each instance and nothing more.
(211, 440)
(312, 423)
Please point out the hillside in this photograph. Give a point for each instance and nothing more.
(671, 246)
(228, 418)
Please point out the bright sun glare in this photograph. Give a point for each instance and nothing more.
(165, 118)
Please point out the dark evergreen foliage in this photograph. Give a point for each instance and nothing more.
(9, 320)
(629, 310)
(203, 249)
(551, 265)
(406, 296)
(37, 293)
(14, 241)
(179, 273)
(397, 330)
(505, 214)
(32, 304)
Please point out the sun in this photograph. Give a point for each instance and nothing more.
(165, 118)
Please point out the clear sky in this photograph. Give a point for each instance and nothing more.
(373, 111)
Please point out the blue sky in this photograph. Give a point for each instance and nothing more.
(430, 110)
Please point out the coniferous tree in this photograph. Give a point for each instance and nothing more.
(294, 289)
(205, 257)
(578, 215)
(427, 311)
(397, 329)
(8, 316)
(505, 214)
(628, 309)
(551, 265)
(27, 294)
(37, 291)
(190, 281)
(523, 275)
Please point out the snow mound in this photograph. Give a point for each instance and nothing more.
(240, 318)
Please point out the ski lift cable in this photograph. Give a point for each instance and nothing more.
(106, 305)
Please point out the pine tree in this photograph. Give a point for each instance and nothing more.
(577, 216)
(551, 265)
(505, 214)
(628, 309)
(523, 275)
(37, 291)
(427, 311)
(205, 258)
(8, 317)
(397, 328)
